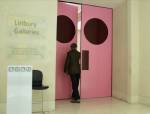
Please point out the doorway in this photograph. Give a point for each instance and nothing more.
(91, 28)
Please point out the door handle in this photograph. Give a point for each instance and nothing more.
(85, 60)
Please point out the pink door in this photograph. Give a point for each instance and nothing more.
(66, 34)
(96, 47)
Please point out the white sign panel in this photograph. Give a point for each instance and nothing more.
(19, 89)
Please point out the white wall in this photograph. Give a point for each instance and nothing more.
(121, 54)
(45, 10)
(138, 33)
(133, 35)
(144, 92)
(131, 66)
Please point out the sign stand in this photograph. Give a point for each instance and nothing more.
(19, 89)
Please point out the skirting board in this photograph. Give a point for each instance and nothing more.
(133, 99)
(119, 95)
(125, 97)
(144, 100)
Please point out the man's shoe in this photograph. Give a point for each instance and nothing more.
(75, 101)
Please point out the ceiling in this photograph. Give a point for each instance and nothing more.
(103, 3)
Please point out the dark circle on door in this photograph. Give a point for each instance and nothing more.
(65, 29)
(96, 31)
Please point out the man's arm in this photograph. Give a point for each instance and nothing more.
(66, 66)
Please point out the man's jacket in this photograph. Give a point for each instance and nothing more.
(72, 63)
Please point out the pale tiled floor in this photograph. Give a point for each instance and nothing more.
(99, 106)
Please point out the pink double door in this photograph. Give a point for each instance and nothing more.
(96, 50)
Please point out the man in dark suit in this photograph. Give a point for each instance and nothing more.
(72, 67)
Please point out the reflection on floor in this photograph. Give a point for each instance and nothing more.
(99, 106)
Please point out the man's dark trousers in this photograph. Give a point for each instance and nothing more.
(75, 84)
